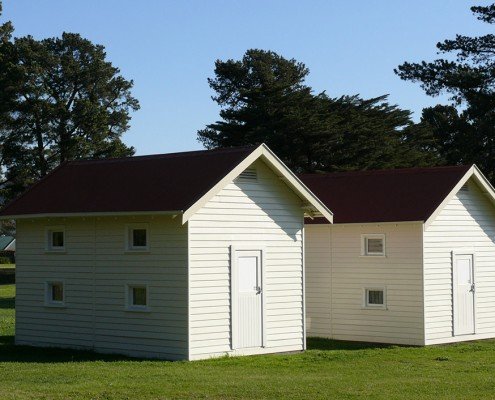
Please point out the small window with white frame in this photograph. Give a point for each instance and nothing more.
(375, 298)
(373, 245)
(55, 238)
(137, 237)
(54, 293)
(137, 297)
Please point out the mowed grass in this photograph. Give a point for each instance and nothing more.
(328, 370)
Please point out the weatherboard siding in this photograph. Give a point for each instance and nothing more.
(318, 255)
(266, 215)
(95, 269)
(466, 223)
(337, 274)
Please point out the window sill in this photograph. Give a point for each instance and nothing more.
(137, 251)
(373, 256)
(50, 305)
(378, 308)
(62, 251)
(138, 310)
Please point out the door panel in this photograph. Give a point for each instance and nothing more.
(249, 299)
(464, 287)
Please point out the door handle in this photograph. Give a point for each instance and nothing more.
(472, 288)
(258, 289)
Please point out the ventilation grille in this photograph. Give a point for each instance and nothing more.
(249, 175)
(464, 188)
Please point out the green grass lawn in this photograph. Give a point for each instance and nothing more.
(7, 266)
(328, 369)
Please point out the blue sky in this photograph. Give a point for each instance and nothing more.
(169, 47)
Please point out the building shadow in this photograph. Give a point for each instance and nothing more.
(316, 343)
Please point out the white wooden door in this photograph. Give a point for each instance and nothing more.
(464, 289)
(249, 299)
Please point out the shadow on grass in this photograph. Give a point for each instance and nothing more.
(5, 340)
(28, 354)
(7, 303)
(316, 343)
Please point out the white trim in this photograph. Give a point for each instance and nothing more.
(468, 251)
(188, 268)
(49, 302)
(49, 230)
(234, 317)
(303, 241)
(364, 243)
(129, 300)
(90, 214)
(274, 162)
(233, 299)
(368, 306)
(423, 281)
(129, 247)
(480, 179)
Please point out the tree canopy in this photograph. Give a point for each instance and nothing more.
(61, 100)
(464, 132)
(264, 98)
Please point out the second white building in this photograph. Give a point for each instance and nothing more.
(410, 258)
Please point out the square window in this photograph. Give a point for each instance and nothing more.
(373, 245)
(55, 239)
(374, 298)
(54, 293)
(137, 237)
(137, 297)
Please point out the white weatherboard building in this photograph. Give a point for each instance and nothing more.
(178, 256)
(201, 254)
(410, 258)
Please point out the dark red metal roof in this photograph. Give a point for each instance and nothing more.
(167, 182)
(395, 195)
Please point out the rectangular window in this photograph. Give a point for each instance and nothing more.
(54, 293)
(137, 237)
(55, 238)
(373, 245)
(374, 298)
(137, 297)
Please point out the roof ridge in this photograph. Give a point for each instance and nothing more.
(387, 171)
(162, 155)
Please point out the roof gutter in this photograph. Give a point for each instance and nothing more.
(90, 214)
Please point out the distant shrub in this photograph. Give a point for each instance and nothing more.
(5, 260)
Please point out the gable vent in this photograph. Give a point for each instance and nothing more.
(464, 188)
(249, 175)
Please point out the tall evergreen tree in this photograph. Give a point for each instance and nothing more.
(68, 102)
(264, 98)
(465, 131)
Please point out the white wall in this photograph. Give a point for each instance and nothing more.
(337, 274)
(95, 269)
(466, 222)
(317, 242)
(265, 215)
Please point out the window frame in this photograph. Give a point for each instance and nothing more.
(129, 306)
(364, 244)
(129, 246)
(49, 302)
(369, 306)
(49, 230)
